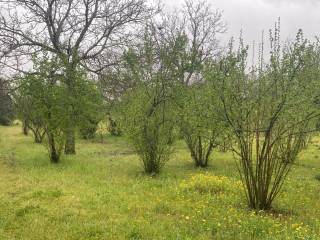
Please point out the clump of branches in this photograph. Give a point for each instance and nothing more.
(270, 112)
(146, 112)
(195, 30)
(27, 113)
(200, 124)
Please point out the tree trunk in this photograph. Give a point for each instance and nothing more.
(54, 155)
(199, 152)
(37, 139)
(25, 128)
(70, 147)
(38, 135)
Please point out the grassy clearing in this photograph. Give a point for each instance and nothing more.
(101, 193)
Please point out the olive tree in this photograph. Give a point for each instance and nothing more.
(270, 112)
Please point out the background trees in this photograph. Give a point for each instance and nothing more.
(88, 33)
(200, 26)
(6, 105)
(42, 98)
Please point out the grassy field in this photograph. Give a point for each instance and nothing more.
(101, 193)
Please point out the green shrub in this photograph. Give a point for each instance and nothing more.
(149, 128)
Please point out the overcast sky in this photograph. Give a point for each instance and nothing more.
(253, 16)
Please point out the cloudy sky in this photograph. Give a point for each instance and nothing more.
(253, 16)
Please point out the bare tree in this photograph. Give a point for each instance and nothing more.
(87, 33)
(201, 25)
(196, 27)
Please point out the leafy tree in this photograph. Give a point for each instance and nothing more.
(200, 123)
(270, 112)
(146, 113)
(6, 105)
(47, 96)
(195, 30)
(149, 126)
(86, 34)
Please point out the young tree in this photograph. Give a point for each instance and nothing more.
(146, 109)
(89, 33)
(199, 121)
(196, 27)
(45, 94)
(26, 112)
(270, 112)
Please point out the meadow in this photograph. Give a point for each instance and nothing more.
(102, 193)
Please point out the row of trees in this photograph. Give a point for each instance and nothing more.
(43, 103)
(265, 113)
(86, 35)
(170, 80)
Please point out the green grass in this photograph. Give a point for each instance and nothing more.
(101, 193)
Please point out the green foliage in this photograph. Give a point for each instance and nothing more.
(149, 125)
(91, 109)
(270, 112)
(6, 106)
(200, 122)
(146, 113)
(43, 100)
(113, 127)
